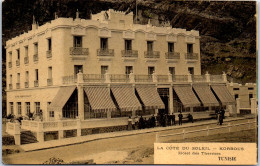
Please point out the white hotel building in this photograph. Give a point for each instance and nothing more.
(88, 76)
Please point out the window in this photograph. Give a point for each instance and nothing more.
(122, 22)
(27, 76)
(77, 41)
(145, 112)
(51, 114)
(18, 77)
(78, 68)
(149, 46)
(128, 69)
(50, 72)
(172, 70)
(189, 48)
(10, 56)
(235, 88)
(19, 108)
(18, 54)
(151, 70)
(128, 44)
(236, 96)
(104, 69)
(118, 114)
(11, 78)
(26, 51)
(36, 75)
(28, 108)
(35, 48)
(170, 47)
(250, 88)
(191, 70)
(250, 97)
(48, 103)
(49, 44)
(37, 108)
(103, 43)
(11, 108)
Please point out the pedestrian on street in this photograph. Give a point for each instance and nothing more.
(173, 119)
(221, 118)
(153, 121)
(180, 118)
(129, 127)
(218, 117)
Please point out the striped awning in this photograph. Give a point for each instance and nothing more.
(187, 96)
(205, 95)
(99, 98)
(61, 98)
(150, 97)
(126, 99)
(223, 94)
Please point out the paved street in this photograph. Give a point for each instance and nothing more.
(113, 148)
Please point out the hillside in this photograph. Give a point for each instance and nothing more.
(227, 29)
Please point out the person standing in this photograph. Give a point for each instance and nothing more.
(180, 118)
(173, 119)
(141, 122)
(153, 121)
(221, 118)
(129, 127)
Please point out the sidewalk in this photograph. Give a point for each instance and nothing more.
(87, 138)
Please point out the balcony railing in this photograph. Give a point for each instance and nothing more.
(17, 85)
(129, 53)
(105, 52)
(26, 84)
(191, 56)
(18, 62)
(10, 64)
(180, 78)
(152, 54)
(36, 83)
(35, 58)
(48, 54)
(198, 78)
(216, 78)
(172, 55)
(93, 77)
(69, 79)
(143, 78)
(26, 60)
(78, 51)
(49, 81)
(163, 78)
(119, 78)
(10, 86)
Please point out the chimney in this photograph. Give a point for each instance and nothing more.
(34, 25)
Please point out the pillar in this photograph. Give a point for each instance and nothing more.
(60, 128)
(80, 77)
(107, 77)
(238, 105)
(189, 77)
(191, 109)
(253, 106)
(169, 77)
(78, 128)
(131, 77)
(224, 76)
(108, 114)
(80, 102)
(154, 77)
(40, 133)
(207, 75)
(170, 100)
(17, 134)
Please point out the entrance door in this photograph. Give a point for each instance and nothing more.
(78, 68)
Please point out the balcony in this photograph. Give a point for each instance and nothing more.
(152, 54)
(120, 78)
(48, 54)
(10, 86)
(191, 56)
(35, 58)
(26, 84)
(10, 64)
(78, 51)
(17, 85)
(172, 57)
(93, 77)
(18, 62)
(129, 55)
(105, 54)
(26, 60)
(36, 83)
(49, 82)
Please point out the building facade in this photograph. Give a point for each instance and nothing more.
(108, 68)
